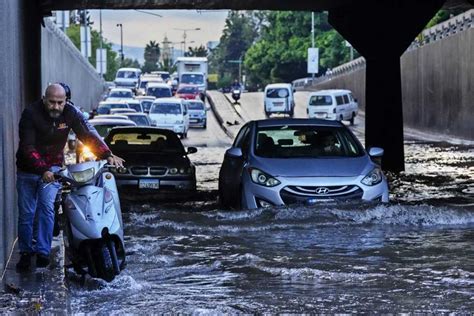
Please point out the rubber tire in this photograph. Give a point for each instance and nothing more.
(105, 267)
(352, 119)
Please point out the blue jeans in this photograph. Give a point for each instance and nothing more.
(35, 198)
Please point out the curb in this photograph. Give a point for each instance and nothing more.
(218, 116)
(42, 290)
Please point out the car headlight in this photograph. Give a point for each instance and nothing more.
(260, 177)
(372, 178)
(173, 170)
(83, 176)
(179, 122)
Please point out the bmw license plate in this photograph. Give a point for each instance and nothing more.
(149, 184)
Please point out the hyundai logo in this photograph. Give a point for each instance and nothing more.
(321, 190)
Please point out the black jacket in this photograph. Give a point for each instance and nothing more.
(42, 138)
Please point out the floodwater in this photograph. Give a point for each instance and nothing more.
(415, 254)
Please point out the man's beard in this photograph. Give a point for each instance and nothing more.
(54, 114)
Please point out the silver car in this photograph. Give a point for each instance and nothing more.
(197, 113)
(299, 161)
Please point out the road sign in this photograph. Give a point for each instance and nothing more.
(313, 60)
(101, 69)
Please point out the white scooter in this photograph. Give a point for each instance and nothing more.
(92, 220)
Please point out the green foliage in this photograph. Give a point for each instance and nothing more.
(443, 15)
(224, 81)
(152, 56)
(239, 33)
(73, 32)
(200, 51)
(129, 63)
(280, 53)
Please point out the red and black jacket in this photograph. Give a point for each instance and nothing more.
(42, 138)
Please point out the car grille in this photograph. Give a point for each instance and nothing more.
(157, 171)
(143, 171)
(303, 194)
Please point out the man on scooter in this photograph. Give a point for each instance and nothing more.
(44, 128)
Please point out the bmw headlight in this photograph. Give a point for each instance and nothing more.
(173, 170)
(372, 178)
(260, 177)
(83, 176)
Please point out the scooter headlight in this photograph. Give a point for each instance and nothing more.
(372, 178)
(260, 177)
(83, 176)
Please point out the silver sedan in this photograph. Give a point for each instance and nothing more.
(277, 162)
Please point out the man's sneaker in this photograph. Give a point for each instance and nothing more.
(25, 262)
(42, 261)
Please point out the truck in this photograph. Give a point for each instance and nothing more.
(192, 70)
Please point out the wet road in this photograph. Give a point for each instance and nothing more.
(412, 255)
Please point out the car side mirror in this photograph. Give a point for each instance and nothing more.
(355, 100)
(192, 150)
(375, 152)
(153, 123)
(208, 108)
(234, 152)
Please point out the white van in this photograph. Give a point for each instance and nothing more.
(279, 98)
(172, 114)
(335, 105)
(127, 77)
(158, 90)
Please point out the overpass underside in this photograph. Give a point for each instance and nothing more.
(380, 30)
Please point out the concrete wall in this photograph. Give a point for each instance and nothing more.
(62, 62)
(20, 84)
(11, 100)
(437, 85)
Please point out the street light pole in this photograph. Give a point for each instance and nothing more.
(184, 36)
(121, 40)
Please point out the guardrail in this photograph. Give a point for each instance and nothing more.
(450, 27)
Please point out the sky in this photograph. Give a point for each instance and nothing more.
(140, 28)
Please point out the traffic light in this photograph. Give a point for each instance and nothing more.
(85, 17)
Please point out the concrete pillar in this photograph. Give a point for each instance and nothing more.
(32, 50)
(381, 30)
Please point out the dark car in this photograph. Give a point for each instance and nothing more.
(155, 162)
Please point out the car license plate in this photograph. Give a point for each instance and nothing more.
(278, 103)
(149, 184)
(193, 120)
(321, 115)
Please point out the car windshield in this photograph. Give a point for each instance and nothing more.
(146, 104)
(159, 92)
(188, 90)
(320, 100)
(118, 106)
(104, 129)
(192, 79)
(126, 74)
(121, 94)
(140, 120)
(166, 108)
(306, 142)
(277, 93)
(135, 106)
(146, 141)
(196, 106)
(103, 109)
(143, 84)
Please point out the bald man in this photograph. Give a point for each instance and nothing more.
(44, 128)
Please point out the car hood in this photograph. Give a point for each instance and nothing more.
(166, 118)
(151, 159)
(322, 167)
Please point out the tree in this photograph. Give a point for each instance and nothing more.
(152, 56)
(280, 53)
(200, 51)
(129, 63)
(238, 35)
(73, 32)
